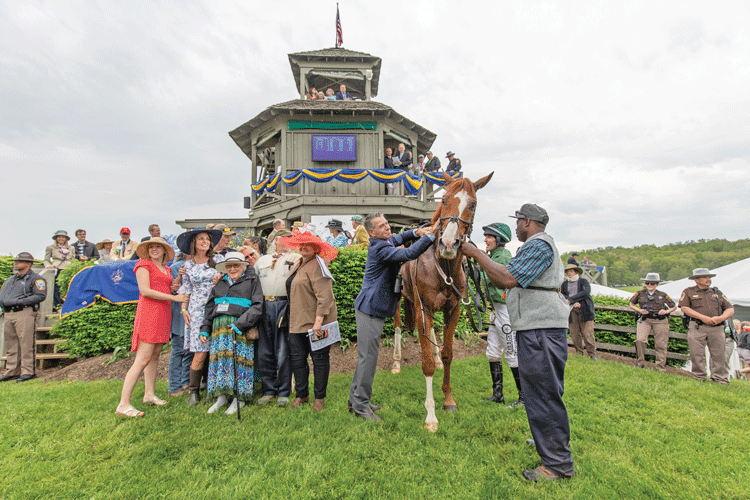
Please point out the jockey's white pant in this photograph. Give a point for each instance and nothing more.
(501, 339)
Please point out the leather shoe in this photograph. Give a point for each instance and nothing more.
(5, 378)
(367, 415)
(299, 402)
(541, 473)
(372, 407)
(24, 378)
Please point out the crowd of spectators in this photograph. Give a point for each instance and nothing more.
(314, 94)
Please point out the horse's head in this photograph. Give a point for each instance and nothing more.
(456, 212)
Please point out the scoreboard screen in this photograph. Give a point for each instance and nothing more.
(334, 147)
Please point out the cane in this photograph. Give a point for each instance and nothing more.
(236, 380)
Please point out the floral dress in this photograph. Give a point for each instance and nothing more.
(339, 241)
(197, 282)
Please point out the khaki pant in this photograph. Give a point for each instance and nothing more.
(659, 328)
(712, 336)
(582, 332)
(20, 329)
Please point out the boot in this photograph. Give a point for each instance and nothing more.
(517, 378)
(496, 370)
(194, 387)
(640, 354)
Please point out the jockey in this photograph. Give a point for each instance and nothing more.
(500, 337)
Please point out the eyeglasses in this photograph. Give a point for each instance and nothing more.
(651, 283)
(233, 266)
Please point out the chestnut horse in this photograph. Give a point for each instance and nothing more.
(436, 282)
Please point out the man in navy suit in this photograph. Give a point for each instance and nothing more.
(403, 160)
(343, 95)
(377, 301)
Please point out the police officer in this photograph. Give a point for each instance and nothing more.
(20, 297)
(654, 307)
(500, 336)
(455, 163)
(708, 309)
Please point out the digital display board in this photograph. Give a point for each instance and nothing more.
(334, 147)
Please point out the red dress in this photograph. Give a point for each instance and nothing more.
(153, 318)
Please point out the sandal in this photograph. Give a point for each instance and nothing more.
(129, 412)
(155, 402)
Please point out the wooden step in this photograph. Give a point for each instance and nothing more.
(50, 341)
(44, 329)
(52, 355)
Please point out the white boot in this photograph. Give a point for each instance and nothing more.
(233, 407)
(221, 401)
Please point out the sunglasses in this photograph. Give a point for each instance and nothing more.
(651, 283)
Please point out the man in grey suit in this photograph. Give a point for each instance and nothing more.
(377, 301)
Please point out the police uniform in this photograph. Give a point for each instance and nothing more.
(710, 302)
(655, 326)
(20, 297)
(454, 165)
(274, 362)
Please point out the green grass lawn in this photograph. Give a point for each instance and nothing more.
(633, 288)
(635, 434)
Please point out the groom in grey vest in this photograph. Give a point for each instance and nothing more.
(539, 314)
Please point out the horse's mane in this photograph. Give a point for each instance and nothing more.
(452, 188)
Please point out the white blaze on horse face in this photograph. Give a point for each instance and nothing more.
(450, 235)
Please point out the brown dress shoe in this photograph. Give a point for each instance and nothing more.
(318, 404)
(298, 402)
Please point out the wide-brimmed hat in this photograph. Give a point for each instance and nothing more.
(652, 277)
(335, 224)
(101, 244)
(232, 258)
(224, 229)
(701, 272)
(24, 257)
(449, 154)
(185, 240)
(142, 249)
(498, 229)
(574, 267)
(61, 233)
(325, 249)
(282, 233)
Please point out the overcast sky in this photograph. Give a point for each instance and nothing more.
(628, 121)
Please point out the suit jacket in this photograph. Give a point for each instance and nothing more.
(89, 250)
(583, 296)
(345, 95)
(432, 165)
(129, 250)
(384, 260)
(405, 161)
(388, 162)
(56, 258)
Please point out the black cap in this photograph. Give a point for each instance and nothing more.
(24, 257)
(532, 212)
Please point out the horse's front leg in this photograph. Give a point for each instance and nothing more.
(424, 323)
(435, 350)
(447, 354)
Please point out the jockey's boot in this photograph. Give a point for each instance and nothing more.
(517, 378)
(496, 370)
(194, 387)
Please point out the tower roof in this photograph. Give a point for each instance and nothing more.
(336, 65)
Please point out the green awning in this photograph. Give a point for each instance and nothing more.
(300, 125)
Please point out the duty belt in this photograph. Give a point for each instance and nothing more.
(272, 298)
(15, 308)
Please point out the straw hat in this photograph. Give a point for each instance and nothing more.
(61, 233)
(232, 258)
(101, 244)
(142, 249)
(574, 267)
(325, 249)
(185, 240)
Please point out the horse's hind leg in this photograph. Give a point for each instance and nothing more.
(396, 350)
(428, 368)
(435, 350)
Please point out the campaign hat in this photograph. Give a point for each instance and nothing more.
(652, 277)
(701, 272)
(24, 257)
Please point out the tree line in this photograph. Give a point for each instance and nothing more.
(626, 266)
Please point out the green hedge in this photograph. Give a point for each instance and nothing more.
(97, 329)
(6, 267)
(628, 319)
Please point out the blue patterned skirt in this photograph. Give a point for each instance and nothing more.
(221, 361)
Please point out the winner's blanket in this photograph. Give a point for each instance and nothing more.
(113, 281)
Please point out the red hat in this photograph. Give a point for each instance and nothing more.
(325, 249)
(125, 230)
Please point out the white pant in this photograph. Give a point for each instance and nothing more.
(499, 342)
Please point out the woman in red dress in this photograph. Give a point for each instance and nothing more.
(153, 319)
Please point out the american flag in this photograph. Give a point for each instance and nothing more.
(339, 31)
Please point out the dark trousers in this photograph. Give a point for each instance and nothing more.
(179, 364)
(56, 297)
(541, 362)
(299, 348)
(274, 363)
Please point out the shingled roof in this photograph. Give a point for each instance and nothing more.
(242, 134)
(334, 55)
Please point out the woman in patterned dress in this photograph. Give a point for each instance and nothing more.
(196, 280)
(153, 319)
(233, 308)
(338, 237)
